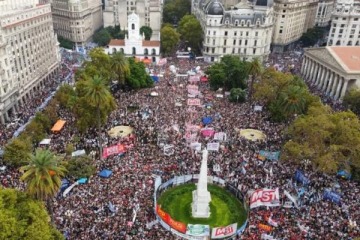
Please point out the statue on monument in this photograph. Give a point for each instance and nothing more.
(201, 196)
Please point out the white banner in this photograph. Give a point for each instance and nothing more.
(222, 232)
(198, 230)
(195, 146)
(221, 136)
(193, 102)
(267, 237)
(293, 199)
(265, 197)
(213, 146)
(169, 149)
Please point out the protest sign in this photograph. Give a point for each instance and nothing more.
(222, 232)
(265, 197)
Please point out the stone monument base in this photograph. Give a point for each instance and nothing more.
(200, 205)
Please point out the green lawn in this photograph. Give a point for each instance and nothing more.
(225, 208)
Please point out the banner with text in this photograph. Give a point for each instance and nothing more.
(265, 197)
(193, 102)
(222, 232)
(198, 230)
(116, 149)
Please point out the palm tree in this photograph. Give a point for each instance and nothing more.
(255, 70)
(98, 95)
(293, 100)
(43, 175)
(120, 66)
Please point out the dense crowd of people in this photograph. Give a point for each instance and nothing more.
(121, 206)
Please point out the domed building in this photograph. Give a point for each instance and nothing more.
(243, 29)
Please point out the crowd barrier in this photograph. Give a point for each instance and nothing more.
(179, 180)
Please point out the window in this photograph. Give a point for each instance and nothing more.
(247, 34)
(235, 33)
(283, 16)
(224, 50)
(133, 26)
(213, 50)
(256, 34)
(226, 33)
(255, 42)
(214, 33)
(246, 42)
(225, 42)
(280, 31)
(134, 51)
(234, 42)
(254, 51)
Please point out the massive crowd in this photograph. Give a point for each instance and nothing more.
(120, 207)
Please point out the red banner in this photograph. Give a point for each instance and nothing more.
(116, 149)
(162, 214)
(178, 226)
(264, 227)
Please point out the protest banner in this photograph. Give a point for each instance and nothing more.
(213, 146)
(193, 102)
(273, 156)
(207, 132)
(195, 146)
(192, 87)
(222, 232)
(265, 197)
(221, 136)
(178, 226)
(264, 227)
(169, 149)
(162, 214)
(331, 196)
(301, 178)
(115, 149)
(198, 230)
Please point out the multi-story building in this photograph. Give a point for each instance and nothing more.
(149, 11)
(323, 13)
(292, 18)
(77, 20)
(345, 24)
(29, 53)
(244, 30)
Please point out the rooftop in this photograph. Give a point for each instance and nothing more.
(347, 56)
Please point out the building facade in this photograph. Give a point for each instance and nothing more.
(149, 11)
(135, 45)
(323, 14)
(29, 54)
(334, 70)
(345, 24)
(292, 18)
(77, 20)
(244, 30)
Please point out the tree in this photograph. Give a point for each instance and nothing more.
(229, 73)
(102, 37)
(16, 153)
(115, 32)
(65, 43)
(98, 96)
(237, 95)
(254, 71)
(169, 39)
(352, 101)
(312, 36)
(292, 100)
(191, 32)
(329, 140)
(24, 218)
(42, 176)
(175, 10)
(80, 167)
(120, 66)
(100, 64)
(138, 78)
(147, 31)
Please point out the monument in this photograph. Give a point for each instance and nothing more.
(201, 196)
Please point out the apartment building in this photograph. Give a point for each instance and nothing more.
(345, 24)
(77, 20)
(29, 53)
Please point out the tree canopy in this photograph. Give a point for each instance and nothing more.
(138, 78)
(191, 32)
(352, 101)
(169, 39)
(174, 10)
(147, 31)
(16, 153)
(312, 36)
(22, 217)
(230, 73)
(102, 37)
(284, 94)
(330, 140)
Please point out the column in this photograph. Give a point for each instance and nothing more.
(343, 91)
(314, 75)
(7, 116)
(331, 79)
(338, 89)
(326, 80)
(333, 87)
(318, 76)
(303, 66)
(307, 67)
(309, 70)
(2, 119)
(322, 77)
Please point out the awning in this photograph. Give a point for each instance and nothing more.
(58, 126)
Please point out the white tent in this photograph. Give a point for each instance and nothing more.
(45, 141)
